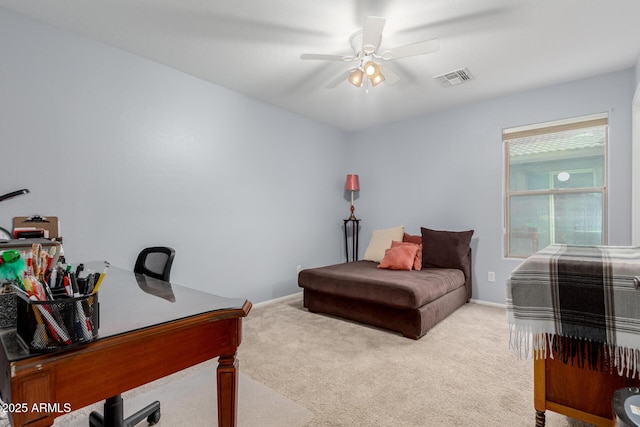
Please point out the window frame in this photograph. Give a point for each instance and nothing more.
(547, 128)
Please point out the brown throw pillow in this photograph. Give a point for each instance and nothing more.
(445, 249)
(412, 238)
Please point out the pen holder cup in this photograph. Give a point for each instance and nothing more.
(57, 324)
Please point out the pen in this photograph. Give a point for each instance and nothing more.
(26, 284)
(74, 283)
(67, 288)
(60, 277)
(101, 278)
(47, 290)
(53, 278)
(82, 323)
(90, 283)
(50, 257)
(44, 262)
(36, 259)
(29, 260)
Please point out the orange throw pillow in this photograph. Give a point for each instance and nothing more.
(399, 257)
(417, 262)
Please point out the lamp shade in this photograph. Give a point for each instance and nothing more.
(371, 69)
(352, 184)
(377, 79)
(355, 77)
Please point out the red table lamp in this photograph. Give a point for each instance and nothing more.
(352, 184)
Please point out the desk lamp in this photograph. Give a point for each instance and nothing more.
(4, 234)
(352, 184)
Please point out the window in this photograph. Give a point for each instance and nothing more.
(556, 184)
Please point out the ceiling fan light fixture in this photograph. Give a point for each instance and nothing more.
(371, 69)
(377, 79)
(367, 50)
(356, 77)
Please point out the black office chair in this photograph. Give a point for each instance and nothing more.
(153, 262)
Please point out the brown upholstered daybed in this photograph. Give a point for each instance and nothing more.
(407, 301)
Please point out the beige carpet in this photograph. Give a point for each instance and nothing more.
(461, 373)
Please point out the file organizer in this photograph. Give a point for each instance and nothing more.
(57, 324)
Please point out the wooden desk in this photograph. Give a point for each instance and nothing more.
(148, 329)
(578, 392)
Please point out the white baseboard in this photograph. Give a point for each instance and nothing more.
(271, 301)
(491, 304)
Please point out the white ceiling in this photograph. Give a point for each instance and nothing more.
(254, 46)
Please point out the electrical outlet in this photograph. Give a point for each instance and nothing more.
(491, 276)
(298, 269)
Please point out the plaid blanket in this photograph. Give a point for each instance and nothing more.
(578, 301)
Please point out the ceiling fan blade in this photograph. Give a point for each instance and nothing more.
(324, 57)
(372, 33)
(412, 49)
(390, 76)
(341, 78)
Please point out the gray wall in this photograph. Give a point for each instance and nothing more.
(635, 124)
(637, 70)
(445, 170)
(129, 153)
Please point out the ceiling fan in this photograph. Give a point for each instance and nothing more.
(366, 51)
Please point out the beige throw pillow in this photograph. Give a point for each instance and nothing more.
(381, 241)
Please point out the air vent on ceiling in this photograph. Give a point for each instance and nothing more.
(453, 78)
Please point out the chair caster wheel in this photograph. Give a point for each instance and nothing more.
(154, 418)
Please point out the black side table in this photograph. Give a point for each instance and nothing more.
(352, 224)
